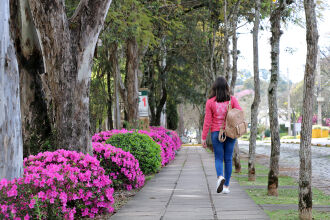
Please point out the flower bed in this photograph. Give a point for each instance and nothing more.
(67, 185)
(121, 166)
(57, 185)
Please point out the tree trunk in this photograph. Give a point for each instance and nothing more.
(11, 145)
(132, 65)
(275, 20)
(110, 121)
(236, 158)
(235, 57)
(181, 121)
(236, 154)
(256, 100)
(117, 81)
(226, 59)
(68, 49)
(36, 127)
(305, 172)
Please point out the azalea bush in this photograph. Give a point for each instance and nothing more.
(57, 185)
(144, 149)
(168, 140)
(121, 166)
(172, 135)
(105, 135)
(167, 148)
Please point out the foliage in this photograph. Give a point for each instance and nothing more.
(144, 149)
(267, 133)
(121, 166)
(98, 100)
(57, 185)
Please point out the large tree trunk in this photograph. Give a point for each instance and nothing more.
(132, 66)
(275, 20)
(256, 100)
(36, 127)
(68, 49)
(305, 172)
(11, 145)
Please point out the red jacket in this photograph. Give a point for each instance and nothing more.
(215, 113)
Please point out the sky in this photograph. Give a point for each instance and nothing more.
(293, 37)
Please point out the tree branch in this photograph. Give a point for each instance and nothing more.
(88, 18)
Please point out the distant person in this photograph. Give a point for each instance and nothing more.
(215, 114)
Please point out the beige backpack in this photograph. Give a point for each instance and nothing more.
(235, 124)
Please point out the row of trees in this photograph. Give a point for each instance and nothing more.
(279, 12)
(176, 49)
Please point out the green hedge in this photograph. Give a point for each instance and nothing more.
(143, 148)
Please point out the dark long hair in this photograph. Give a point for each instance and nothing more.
(220, 90)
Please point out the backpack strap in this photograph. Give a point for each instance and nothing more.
(229, 106)
(222, 134)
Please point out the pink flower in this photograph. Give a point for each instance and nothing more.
(32, 203)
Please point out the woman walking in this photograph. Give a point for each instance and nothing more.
(215, 117)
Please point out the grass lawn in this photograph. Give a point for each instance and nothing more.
(263, 180)
(260, 169)
(293, 214)
(286, 196)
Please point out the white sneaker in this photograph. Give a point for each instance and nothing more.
(220, 182)
(225, 190)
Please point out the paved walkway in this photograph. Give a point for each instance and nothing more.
(185, 189)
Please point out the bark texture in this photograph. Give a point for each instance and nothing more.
(117, 82)
(67, 47)
(236, 154)
(235, 57)
(275, 20)
(36, 127)
(226, 57)
(305, 172)
(132, 85)
(256, 100)
(11, 145)
(236, 158)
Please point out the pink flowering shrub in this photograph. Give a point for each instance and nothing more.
(105, 135)
(176, 139)
(172, 135)
(57, 185)
(121, 166)
(168, 140)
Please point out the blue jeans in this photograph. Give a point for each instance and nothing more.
(223, 152)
